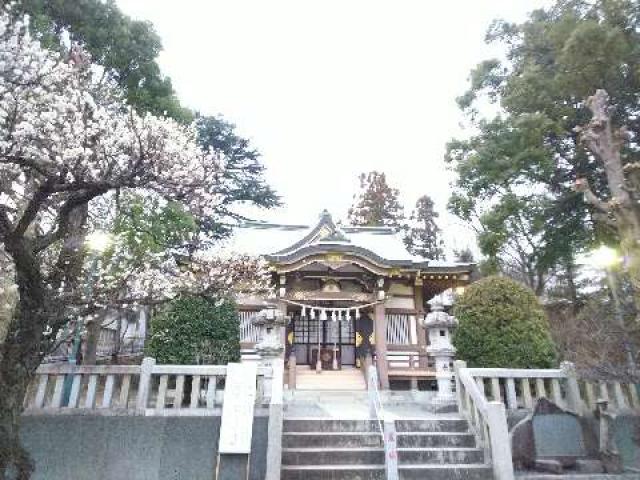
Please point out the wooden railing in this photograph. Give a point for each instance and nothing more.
(146, 389)
(488, 421)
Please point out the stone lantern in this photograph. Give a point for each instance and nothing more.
(270, 321)
(439, 325)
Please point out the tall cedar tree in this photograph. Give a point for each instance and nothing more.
(516, 176)
(377, 203)
(423, 234)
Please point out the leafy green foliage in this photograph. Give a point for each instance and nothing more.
(126, 48)
(377, 203)
(517, 172)
(243, 176)
(501, 324)
(195, 330)
(148, 226)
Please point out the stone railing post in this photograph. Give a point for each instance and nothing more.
(574, 400)
(500, 443)
(274, 443)
(144, 386)
(457, 366)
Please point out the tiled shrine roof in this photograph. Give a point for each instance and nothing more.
(280, 243)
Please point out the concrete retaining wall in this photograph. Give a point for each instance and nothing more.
(136, 448)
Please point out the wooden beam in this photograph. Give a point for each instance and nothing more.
(380, 327)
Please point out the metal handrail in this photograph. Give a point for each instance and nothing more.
(376, 410)
(386, 426)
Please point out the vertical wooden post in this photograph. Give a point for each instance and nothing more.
(420, 330)
(380, 327)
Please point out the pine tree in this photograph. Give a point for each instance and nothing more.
(377, 203)
(423, 233)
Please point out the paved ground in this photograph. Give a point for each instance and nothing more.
(354, 405)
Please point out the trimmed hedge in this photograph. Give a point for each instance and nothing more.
(195, 330)
(502, 324)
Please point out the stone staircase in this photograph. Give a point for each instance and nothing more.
(350, 379)
(434, 449)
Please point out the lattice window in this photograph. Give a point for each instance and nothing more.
(249, 333)
(398, 329)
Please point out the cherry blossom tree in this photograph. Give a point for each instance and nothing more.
(69, 146)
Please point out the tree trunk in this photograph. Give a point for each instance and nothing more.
(15, 377)
(571, 285)
(20, 355)
(605, 142)
(93, 336)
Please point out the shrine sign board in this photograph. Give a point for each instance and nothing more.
(237, 410)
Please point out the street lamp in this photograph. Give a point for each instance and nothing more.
(604, 257)
(97, 242)
(607, 258)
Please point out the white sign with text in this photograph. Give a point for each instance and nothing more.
(237, 410)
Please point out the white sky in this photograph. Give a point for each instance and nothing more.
(329, 89)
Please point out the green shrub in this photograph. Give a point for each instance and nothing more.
(195, 330)
(502, 324)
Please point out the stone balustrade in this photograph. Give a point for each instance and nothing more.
(485, 394)
(487, 419)
(146, 389)
(520, 388)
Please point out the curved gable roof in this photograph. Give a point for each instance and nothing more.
(288, 244)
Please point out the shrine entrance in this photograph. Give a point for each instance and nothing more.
(333, 341)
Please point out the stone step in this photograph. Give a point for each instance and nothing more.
(331, 439)
(376, 472)
(310, 439)
(446, 455)
(446, 472)
(435, 425)
(329, 425)
(346, 379)
(333, 472)
(333, 456)
(375, 455)
(435, 439)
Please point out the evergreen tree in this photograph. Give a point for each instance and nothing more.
(127, 49)
(196, 330)
(377, 203)
(517, 173)
(423, 233)
(502, 323)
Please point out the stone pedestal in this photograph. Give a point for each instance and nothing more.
(270, 347)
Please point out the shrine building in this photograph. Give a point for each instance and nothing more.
(352, 295)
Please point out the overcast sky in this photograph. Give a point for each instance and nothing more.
(328, 89)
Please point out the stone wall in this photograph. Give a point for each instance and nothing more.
(131, 447)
